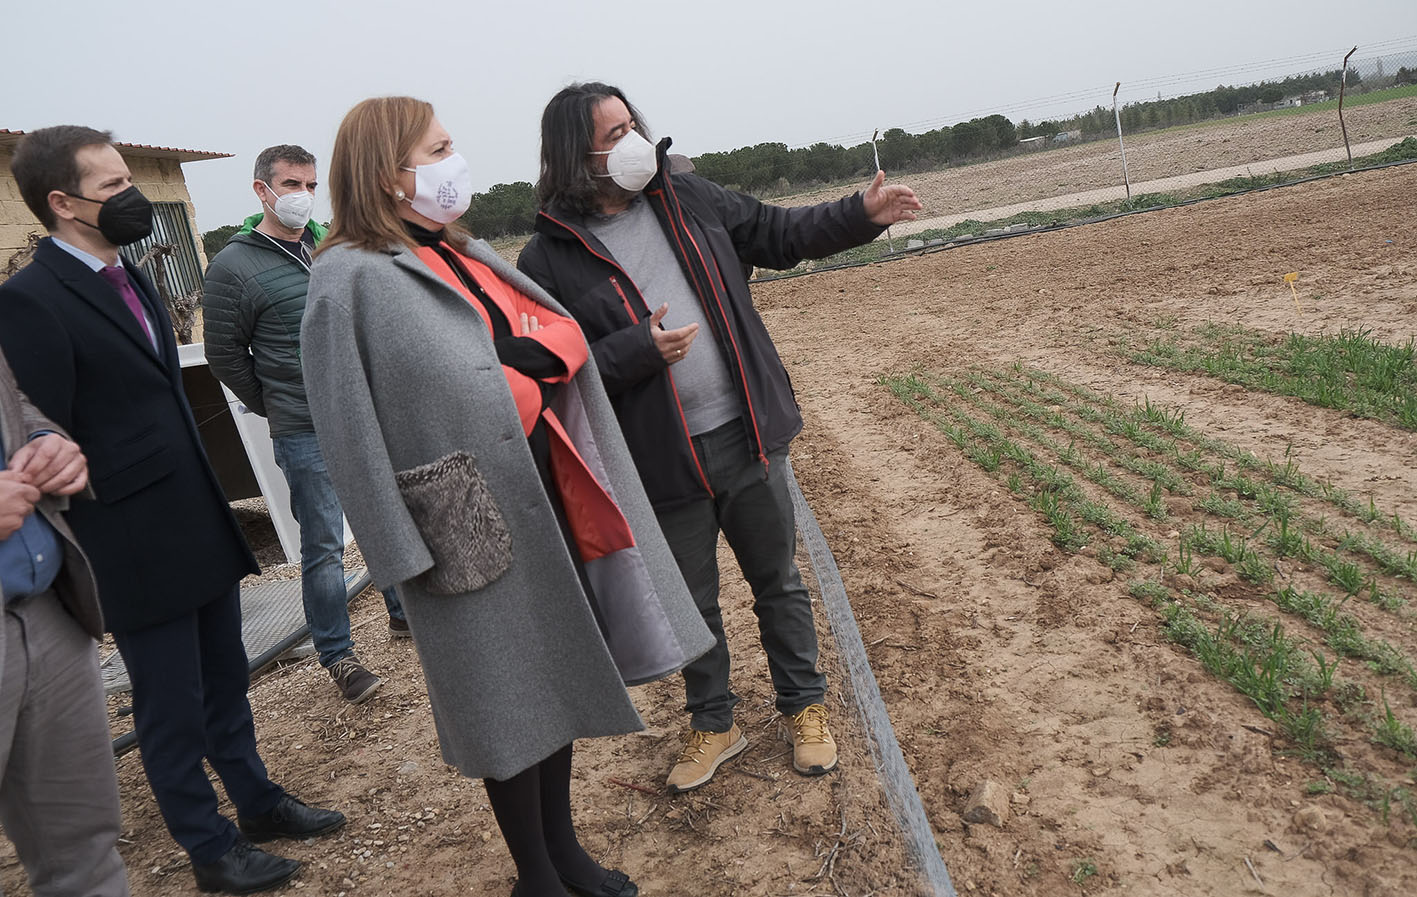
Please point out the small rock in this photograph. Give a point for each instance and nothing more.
(1311, 818)
(989, 803)
(408, 768)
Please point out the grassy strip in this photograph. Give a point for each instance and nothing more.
(1349, 372)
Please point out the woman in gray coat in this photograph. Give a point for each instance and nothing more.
(483, 473)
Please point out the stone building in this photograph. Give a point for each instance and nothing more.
(157, 171)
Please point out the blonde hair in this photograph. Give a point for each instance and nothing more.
(373, 143)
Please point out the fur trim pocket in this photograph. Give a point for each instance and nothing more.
(459, 522)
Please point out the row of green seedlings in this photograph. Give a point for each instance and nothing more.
(1345, 573)
(1289, 683)
(1051, 492)
(1288, 474)
(1063, 505)
(1343, 632)
(1271, 498)
(1350, 371)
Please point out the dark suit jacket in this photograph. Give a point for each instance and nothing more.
(75, 584)
(160, 534)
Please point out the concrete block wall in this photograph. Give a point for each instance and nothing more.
(161, 180)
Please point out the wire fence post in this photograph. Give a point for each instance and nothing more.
(890, 241)
(1126, 178)
(1342, 84)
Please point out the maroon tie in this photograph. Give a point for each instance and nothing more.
(119, 280)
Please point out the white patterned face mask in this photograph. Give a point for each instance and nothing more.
(443, 190)
(631, 162)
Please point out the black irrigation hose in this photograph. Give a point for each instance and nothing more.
(126, 742)
(894, 775)
(1049, 228)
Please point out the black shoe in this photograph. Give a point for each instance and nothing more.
(245, 869)
(290, 819)
(355, 683)
(399, 628)
(616, 884)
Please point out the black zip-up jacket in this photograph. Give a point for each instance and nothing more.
(713, 232)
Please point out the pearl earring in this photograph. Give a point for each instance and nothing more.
(399, 195)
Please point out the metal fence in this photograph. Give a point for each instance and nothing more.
(172, 227)
(1120, 155)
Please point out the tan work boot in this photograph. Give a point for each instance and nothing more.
(813, 750)
(702, 756)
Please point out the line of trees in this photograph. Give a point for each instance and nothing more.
(1190, 108)
(772, 168)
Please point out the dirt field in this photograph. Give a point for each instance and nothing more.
(1150, 155)
(999, 657)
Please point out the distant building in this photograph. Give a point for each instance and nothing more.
(157, 171)
(1067, 136)
(1032, 143)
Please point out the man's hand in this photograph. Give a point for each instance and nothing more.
(672, 344)
(17, 500)
(887, 205)
(52, 464)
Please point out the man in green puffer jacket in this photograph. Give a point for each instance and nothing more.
(252, 305)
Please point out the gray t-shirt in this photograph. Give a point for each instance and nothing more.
(701, 379)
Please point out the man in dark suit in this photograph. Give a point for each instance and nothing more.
(58, 792)
(94, 350)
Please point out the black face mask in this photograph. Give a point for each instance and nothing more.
(124, 217)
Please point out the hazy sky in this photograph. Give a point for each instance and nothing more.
(236, 77)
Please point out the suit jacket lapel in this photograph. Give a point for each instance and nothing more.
(89, 286)
(11, 422)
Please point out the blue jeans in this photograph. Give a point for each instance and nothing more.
(317, 510)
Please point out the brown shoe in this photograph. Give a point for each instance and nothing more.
(356, 684)
(703, 755)
(813, 750)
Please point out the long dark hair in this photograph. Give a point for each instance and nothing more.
(567, 127)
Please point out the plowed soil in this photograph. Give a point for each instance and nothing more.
(999, 656)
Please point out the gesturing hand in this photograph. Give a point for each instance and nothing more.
(672, 344)
(52, 464)
(887, 205)
(529, 324)
(17, 499)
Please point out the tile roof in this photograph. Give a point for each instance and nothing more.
(9, 138)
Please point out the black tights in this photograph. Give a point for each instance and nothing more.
(533, 810)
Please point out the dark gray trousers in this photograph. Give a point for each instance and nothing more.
(753, 509)
(58, 790)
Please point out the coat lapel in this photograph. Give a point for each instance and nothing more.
(89, 286)
(11, 422)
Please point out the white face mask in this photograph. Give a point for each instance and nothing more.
(292, 209)
(443, 190)
(631, 163)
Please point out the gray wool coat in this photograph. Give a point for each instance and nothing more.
(400, 371)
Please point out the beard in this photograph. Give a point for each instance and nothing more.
(612, 194)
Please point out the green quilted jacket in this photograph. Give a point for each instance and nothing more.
(253, 301)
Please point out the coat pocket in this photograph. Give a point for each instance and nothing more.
(459, 522)
(130, 465)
